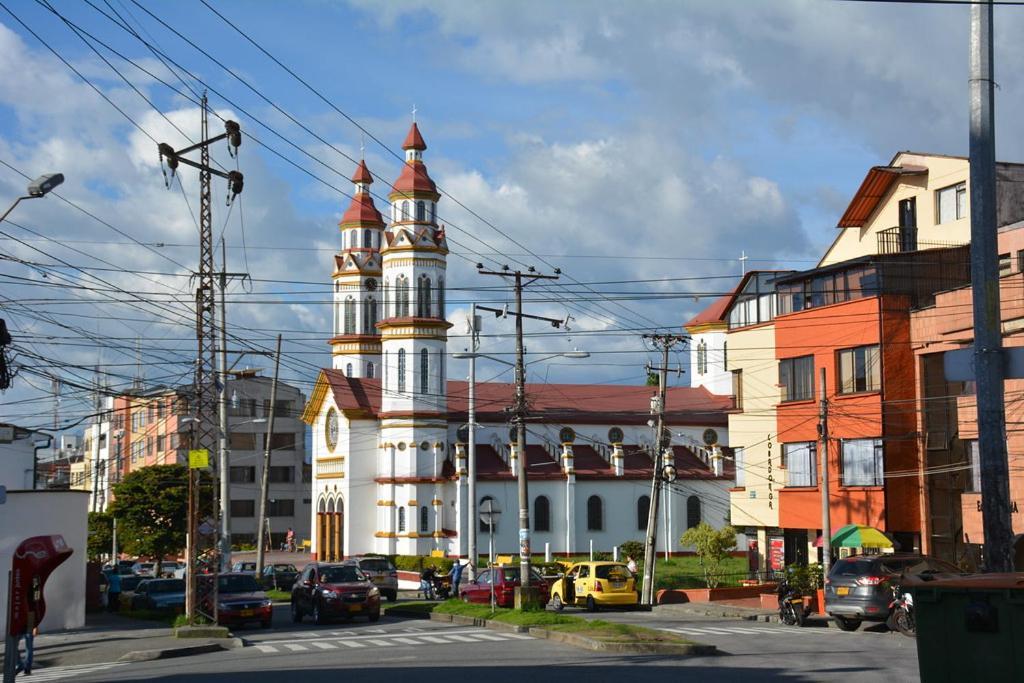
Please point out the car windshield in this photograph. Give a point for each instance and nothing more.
(858, 567)
(341, 575)
(612, 572)
(285, 568)
(512, 574)
(375, 565)
(237, 584)
(167, 586)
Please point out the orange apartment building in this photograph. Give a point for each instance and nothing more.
(852, 321)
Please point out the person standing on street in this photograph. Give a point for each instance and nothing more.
(289, 540)
(456, 577)
(35, 597)
(114, 590)
(630, 564)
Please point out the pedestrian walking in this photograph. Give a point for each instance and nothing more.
(114, 590)
(456, 577)
(35, 601)
(630, 564)
(289, 540)
(427, 583)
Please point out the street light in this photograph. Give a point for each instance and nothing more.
(472, 356)
(37, 188)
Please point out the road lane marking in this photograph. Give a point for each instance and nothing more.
(406, 641)
(324, 645)
(461, 638)
(381, 643)
(435, 639)
(295, 647)
(489, 636)
(349, 643)
(58, 672)
(268, 649)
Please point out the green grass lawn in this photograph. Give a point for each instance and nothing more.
(279, 596)
(686, 572)
(591, 628)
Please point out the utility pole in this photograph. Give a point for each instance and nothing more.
(98, 422)
(666, 342)
(474, 333)
(265, 478)
(519, 410)
(223, 465)
(204, 593)
(988, 342)
(826, 515)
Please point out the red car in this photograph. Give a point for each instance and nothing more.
(505, 579)
(328, 591)
(241, 599)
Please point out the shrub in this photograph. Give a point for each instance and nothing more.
(805, 579)
(712, 547)
(634, 549)
(416, 563)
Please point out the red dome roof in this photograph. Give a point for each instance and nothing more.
(362, 174)
(414, 140)
(362, 211)
(414, 178)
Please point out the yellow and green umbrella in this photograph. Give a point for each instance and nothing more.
(857, 536)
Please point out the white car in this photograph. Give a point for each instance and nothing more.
(143, 568)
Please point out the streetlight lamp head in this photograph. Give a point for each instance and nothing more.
(44, 183)
(577, 354)
(460, 355)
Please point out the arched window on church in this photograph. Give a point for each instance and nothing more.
(424, 519)
(595, 514)
(421, 211)
(348, 370)
(385, 370)
(370, 316)
(387, 301)
(405, 210)
(423, 297)
(424, 371)
(401, 297)
(401, 519)
(350, 316)
(541, 514)
(440, 373)
(725, 355)
(337, 316)
(643, 510)
(368, 239)
(401, 371)
(369, 370)
(692, 512)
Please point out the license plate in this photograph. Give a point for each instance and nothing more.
(618, 584)
(842, 590)
(355, 608)
(248, 612)
(378, 579)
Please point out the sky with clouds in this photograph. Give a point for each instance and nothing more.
(641, 147)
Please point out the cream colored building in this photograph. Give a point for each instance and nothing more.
(919, 201)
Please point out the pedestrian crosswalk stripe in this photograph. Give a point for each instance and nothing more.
(382, 643)
(295, 647)
(407, 641)
(325, 646)
(75, 670)
(488, 636)
(520, 636)
(435, 639)
(269, 649)
(350, 643)
(461, 638)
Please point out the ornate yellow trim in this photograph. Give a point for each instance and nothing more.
(412, 534)
(332, 458)
(412, 502)
(399, 261)
(421, 425)
(386, 534)
(438, 534)
(340, 475)
(385, 503)
(437, 501)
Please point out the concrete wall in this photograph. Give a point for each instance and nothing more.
(16, 462)
(45, 513)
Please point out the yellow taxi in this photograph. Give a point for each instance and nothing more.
(595, 584)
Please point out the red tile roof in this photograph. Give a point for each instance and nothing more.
(414, 178)
(362, 211)
(362, 174)
(872, 190)
(414, 140)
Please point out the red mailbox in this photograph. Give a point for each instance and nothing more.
(34, 560)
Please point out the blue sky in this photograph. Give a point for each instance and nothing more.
(596, 134)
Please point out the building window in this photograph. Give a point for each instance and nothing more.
(161, 443)
(800, 461)
(385, 370)
(1005, 265)
(281, 508)
(401, 520)
(737, 388)
(348, 370)
(863, 462)
(423, 297)
(702, 357)
(643, 509)
(725, 355)
(424, 519)
(243, 508)
(401, 297)
(951, 203)
(370, 316)
(432, 208)
(595, 514)
(424, 371)
(368, 239)
(859, 370)
(737, 457)
(401, 371)
(421, 211)
(243, 475)
(484, 526)
(796, 375)
(974, 458)
(387, 301)
(541, 514)
(692, 512)
(350, 316)
(405, 210)
(440, 298)
(369, 370)
(282, 441)
(285, 474)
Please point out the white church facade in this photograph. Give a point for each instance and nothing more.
(390, 458)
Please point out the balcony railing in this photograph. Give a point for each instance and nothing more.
(900, 240)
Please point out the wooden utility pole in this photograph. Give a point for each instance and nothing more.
(826, 515)
(265, 477)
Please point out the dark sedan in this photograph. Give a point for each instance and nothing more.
(160, 594)
(240, 599)
(328, 591)
(859, 588)
(280, 576)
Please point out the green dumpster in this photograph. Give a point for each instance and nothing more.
(970, 628)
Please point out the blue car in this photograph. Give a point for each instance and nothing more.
(160, 594)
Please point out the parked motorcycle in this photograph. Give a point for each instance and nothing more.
(792, 610)
(901, 612)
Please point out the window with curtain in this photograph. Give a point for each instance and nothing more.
(860, 369)
(643, 508)
(424, 371)
(541, 514)
(595, 514)
(401, 371)
(800, 460)
(796, 375)
(692, 512)
(863, 462)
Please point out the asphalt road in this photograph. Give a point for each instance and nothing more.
(392, 649)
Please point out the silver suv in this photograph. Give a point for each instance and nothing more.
(382, 573)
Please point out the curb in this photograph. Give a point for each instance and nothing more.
(186, 651)
(407, 614)
(576, 640)
(729, 613)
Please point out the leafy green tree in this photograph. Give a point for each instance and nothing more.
(634, 549)
(151, 507)
(101, 535)
(712, 547)
(652, 379)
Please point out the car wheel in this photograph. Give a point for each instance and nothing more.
(465, 598)
(391, 596)
(375, 616)
(591, 604)
(318, 615)
(787, 615)
(296, 612)
(846, 624)
(556, 603)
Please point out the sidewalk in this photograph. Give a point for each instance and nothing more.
(110, 638)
